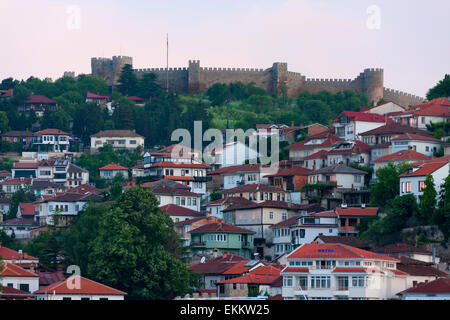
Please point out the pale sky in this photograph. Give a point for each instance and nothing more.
(318, 38)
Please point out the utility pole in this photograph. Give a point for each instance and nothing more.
(167, 69)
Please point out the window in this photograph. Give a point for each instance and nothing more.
(284, 216)
(84, 299)
(302, 282)
(302, 233)
(132, 141)
(67, 298)
(421, 186)
(270, 215)
(342, 283)
(287, 281)
(194, 201)
(320, 282)
(358, 281)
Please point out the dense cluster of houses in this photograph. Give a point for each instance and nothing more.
(290, 234)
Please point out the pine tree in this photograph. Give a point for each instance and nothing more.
(427, 204)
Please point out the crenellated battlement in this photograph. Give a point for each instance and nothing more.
(197, 79)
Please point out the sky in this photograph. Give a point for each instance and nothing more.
(317, 38)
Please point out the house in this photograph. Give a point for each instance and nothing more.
(350, 124)
(171, 192)
(291, 179)
(52, 140)
(215, 208)
(338, 271)
(438, 289)
(17, 257)
(4, 174)
(214, 270)
(349, 152)
(402, 249)
(413, 180)
(259, 217)
(60, 210)
(138, 171)
(350, 218)
(233, 154)
(222, 237)
(16, 277)
(139, 101)
(258, 193)
(6, 94)
(307, 227)
(282, 239)
(19, 228)
(183, 227)
(316, 160)
(76, 176)
(173, 153)
(26, 138)
(96, 98)
(79, 288)
(422, 144)
(192, 175)
(342, 184)
(111, 170)
(45, 187)
(313, 144)
(5, 203)
(419, 271)
(10, 186)
(232, 176)
(25, 169)
(263, 280)
(38, 103)
(178, 213)
(403, 156)
(26, 210)
(119, 139)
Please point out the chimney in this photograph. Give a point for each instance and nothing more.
(32, 268)
(20, 254)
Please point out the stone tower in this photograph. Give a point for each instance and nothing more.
(109, 69)
(372, 84)
(194, 77)
(280, 76)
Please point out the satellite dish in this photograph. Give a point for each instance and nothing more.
(202, 260)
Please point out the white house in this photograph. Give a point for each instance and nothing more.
(413, 181)
(232, 154)
(350, 124)
(79, 288)
(340, 272)
(17, 277)
(111, 170)
(422, 144)
(438, 289)
(308, 227)
(53, 140)
(119, 139)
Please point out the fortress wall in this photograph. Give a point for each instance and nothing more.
(401, 98)
(178, 78)
(209, 76)
(295, 83)
(333, 85)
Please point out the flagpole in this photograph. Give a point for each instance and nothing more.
(167, 75)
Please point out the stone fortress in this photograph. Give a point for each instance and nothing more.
(196, 79)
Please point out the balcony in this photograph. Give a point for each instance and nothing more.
(198, 244)
(202, 179)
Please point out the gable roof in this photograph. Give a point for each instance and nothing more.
(253, 187)
(403, 155)
(87, 286)
(394, 128)
(13, 270)
(401, 248)
(220, 227)
(38, 98)
(52, 131)
(90, 95)
(113, 166)
(294, 171)
(27, 209)
(262, 275)
(115, 133)
(328, 138)
(176, 210)
(217, 265)
(339, 168)
(10, 254)
(433, 110)
(441, 285)
(415, 137)
(426, 168)
(363, 116)
(335, 250)
(264, 204)
(357, 211)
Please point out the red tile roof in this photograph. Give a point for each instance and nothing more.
(91, 95)
(286, 223)
(27, 209)
(180, 165)
(294, 171)
(265, 204)
(179, 178)
(113, 166)
(217, 265)
(12, 270)
(401, 248)
(9, 254)
(261, 275)
(337, 250)
(134, 98)
(363, 212)
(86, 287)
(176, 210)
(350, 269)
(25, 165)
(414, 137)
(12, 292)
(323, 214)
(403, 155)
(253, 187)
(395, 128)
(220, 227)
(52, 131)
(317, 155)
(296, 269)
(426, 168)
(348, 240)
(16, 181)
(37, 98)
(83, 189)
(238, 268)
(116, 133)
(362, 116)
(235, 169)
(330, 139)
(434, 110)
(441, 285)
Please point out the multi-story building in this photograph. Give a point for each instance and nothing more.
(38, 104)
(402, 156)
(338, 271)
(222, 237)
(233, 176)
(26, 138)
(52, 140)
(258, 193)
(112, 170)
(119, 139)
(349, 124)
(423, 144)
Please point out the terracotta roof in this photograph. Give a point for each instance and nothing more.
(180, 165)
(426, 168)
(12, 292)
(27, 209)
(403, 155)
(220, 227)
(441, 285)
(86, 287)
(12, 270)
(357, 211)
(113, 166)
(296, 269)
(164, 188)
(236, 169)
(335, 250)
(229, 201)
(286, 223)
(189, 221)
(134, 98)
(239, 268)
(116, 133)
(414, 137)
(348, 240)
(350, 269)
(37, 98)
(25, 165)
(16, 181)
(418, 268)
(83, 189)
(90, 95)
(362, 116)
(329, 140)
(179, 178)
(401, 248)
(261, 275)
(294, 171)
(339, 168)
(317, 155)
(434, 110)
(265, 204)
(176, 210)
(395, 128)
(52, 131)
(19, 222)
(323, 214)
(217, 265)
(74, 197)
(253, 187)
(10, 254)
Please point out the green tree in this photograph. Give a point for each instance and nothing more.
(138, 251)
(127, 81)
(4, 122)
(441, 89)
(442, 214)
(48, 247)
(22, 195)
(428, 201)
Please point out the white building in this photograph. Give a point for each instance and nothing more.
(309, 226)
(18, 278)
(53, 140)
(119, 139)
(438, 289)
(413, 181)
(422, 144)
(338, 271)
(79, 288)
(232, 154)
(350, 124)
